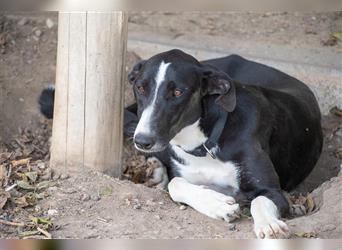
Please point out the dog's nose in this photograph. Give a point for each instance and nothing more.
(144, 141)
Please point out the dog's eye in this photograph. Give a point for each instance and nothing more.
(141, 89)
(177, 93)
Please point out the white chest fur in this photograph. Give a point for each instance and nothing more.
(201, 170)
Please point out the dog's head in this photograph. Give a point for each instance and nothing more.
(169, 88)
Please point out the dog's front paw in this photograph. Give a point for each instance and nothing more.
(271, 228)
(218, 206)
(156, 173)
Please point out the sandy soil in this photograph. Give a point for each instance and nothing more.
(27, 64)
(90, 205)
(299, 30)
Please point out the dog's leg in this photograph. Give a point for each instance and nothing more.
(268, 202)
(266, 219)
(206, 201)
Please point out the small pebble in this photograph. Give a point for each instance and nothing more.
(231, 227)
(150, 203)
(95, 197)
(298, 210)
(338, 133)
(158, 217)
(38, 32)
(56, 176)
(85, 197)
(182, 207)
(52, 212)
(69, 191)
(90, 225)
(41, 165)
(64, 176)
(52, 189)
(49, 23)
(137, 206)
(23, 21)
(47, 175)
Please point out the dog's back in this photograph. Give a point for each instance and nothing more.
(287, 93)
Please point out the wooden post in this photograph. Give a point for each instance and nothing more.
(88, 114)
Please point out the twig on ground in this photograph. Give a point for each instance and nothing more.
(19, 144)
(8, 176)
(48, 235)
(102, 220)
(11, 187)
(10, 223)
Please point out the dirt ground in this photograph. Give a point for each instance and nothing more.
(91, 205)
(299, 30)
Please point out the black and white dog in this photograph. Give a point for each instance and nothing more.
(228, 130)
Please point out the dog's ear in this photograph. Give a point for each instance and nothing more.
(218, 82)
(133, 75)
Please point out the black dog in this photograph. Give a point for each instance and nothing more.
(227, 130)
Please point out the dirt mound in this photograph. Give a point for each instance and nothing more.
(326, 221)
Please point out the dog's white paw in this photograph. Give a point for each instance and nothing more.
(271, 229)
(218, 206)
(206, 201)
(266, 223)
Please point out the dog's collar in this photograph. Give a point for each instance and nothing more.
(211, 146)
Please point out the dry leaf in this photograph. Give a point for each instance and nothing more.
(107, 191)
(25, 185)
(4, 196)
(21, 202)
(32, 198)
(32, 176)
(336, 111)
(330, 41)
(29, 233)
(4, 157)
(28, 199)
(3, 174)
(306, 234)
(20, 162)
(43, 185)
(310, 204)
(338, 153)
(338, 35)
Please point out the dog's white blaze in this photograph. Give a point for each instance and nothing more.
(144, 125)
(206, 201)
(189, 137)
(266, 218)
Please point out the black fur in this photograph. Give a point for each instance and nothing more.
(46, 102)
